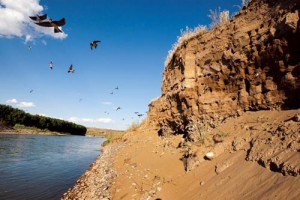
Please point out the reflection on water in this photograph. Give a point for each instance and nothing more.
(43, 167)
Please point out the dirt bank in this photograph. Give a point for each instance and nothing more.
(257, 156)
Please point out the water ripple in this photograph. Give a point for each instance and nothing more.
(43, 167)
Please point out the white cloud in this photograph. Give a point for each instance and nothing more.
(12, 101)
(15, 21)
(104, 120)
(22, 104)
(90, 120)
(28, 38)
(74, 119)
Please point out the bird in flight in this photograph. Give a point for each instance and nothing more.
(38, 18)
(71, 69)
(94, 44)
(29, 47)
(117, 88)
(118, 108)
(55, 24)
(30, 91)
(140, 115)
(112, 93)
(51, 65)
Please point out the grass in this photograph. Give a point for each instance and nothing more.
(109, 134)
(245, 2)
(184, 36)
(112, 135)
(200, 133)
(34, 130)
(135, 125)
(217, 16)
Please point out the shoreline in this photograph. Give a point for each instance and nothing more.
(11, 131)
(95, 182)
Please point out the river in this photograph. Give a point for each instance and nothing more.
(43, 167)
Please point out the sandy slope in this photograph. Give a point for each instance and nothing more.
(149, 167)
(257, 157)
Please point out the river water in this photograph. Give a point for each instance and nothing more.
(43, 167)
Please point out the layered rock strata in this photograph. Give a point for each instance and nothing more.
(251, 62)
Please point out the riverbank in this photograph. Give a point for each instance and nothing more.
(94, 184)
(28, 131)
(255, 156)
(109, 134)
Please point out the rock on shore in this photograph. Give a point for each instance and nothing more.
(94, 184)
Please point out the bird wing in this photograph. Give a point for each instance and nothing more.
(43, 17)
(96, 41)
(60, 22)
(57, 30)
(45, 24)
(38, 17)
(33, 18)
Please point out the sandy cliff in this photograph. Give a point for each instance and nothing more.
(249, 63)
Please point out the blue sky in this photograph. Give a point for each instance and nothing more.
(135, 35)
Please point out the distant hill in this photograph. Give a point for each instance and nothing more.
(102, 132)
(109, 134)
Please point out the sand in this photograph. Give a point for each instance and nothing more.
(257, 156)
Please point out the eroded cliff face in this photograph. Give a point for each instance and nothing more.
(251, 62)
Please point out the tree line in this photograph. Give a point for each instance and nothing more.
(12, 116)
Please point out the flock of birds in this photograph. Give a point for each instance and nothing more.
(44, 21)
